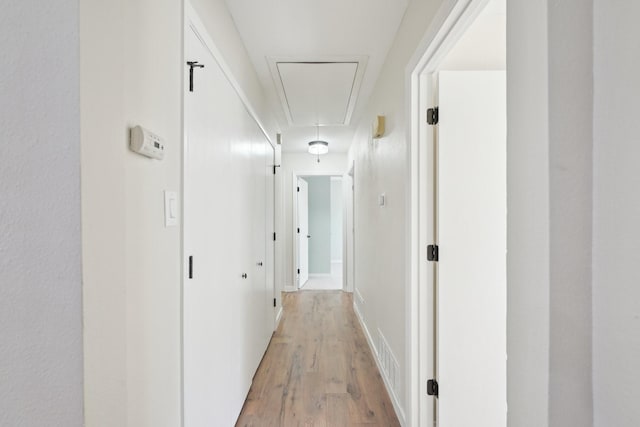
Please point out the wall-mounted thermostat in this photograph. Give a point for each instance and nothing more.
(147, 143)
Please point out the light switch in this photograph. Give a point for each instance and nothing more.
(170, 208)
(381, 199)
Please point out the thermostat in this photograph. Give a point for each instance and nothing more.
(147, 143)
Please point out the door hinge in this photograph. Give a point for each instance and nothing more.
(298, 189)
(274, 236)
(432, 388)
(190, 266)
(298, 230)
(432, 253)
(274, 168)
(274, 303)
(298, 271)
(432, 116)
(192, 65)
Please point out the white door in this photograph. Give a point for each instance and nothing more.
(225, 300)
(471, 347)
(303, 232)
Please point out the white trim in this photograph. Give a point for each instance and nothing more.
(336, 261)
(278, 316)
(319, 275)
(374, 351)
(449, 23)
(348, 245)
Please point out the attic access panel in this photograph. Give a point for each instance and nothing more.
(318, 92)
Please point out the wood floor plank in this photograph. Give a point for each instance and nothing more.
(318, 370)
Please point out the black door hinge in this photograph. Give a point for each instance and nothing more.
(298, 189)
(432, 253)
(274, 302)
(432, 388)
(274, 236)
(298, 271)
(274, 168)
(192, 65)
(298, 230)
(432, 116)
(190, 266)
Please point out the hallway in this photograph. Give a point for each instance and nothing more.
(318, 369)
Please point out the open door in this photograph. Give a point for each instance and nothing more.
(303, 232)
(471, 286)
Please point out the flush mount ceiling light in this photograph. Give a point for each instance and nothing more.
(318, 147)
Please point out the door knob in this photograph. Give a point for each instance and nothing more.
(260, 264)
(308, 236)
(244, 275)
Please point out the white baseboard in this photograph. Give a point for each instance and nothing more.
(278, 317)
(392, 394)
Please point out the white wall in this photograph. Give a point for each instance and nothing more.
(222, 29)
(483, 46)
(131, 73)
(303, 163)
(103, 224)
(40, 260)
(549, 212)
(381, 167)
(319, 206)
(616, 230)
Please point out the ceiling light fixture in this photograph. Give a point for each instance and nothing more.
(318, 147)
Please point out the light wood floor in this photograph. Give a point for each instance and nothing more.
(318, 369)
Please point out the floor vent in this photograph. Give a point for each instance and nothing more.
(390, 368)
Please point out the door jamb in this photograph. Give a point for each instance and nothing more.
(450, 22)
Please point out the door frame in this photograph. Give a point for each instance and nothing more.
(294, 223)
(301, 182)
(349, 226)
(450, 22)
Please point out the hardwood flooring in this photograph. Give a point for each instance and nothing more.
(318, 369)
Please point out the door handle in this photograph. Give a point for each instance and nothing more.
(308, 236)
(260, 264)
(244, 275)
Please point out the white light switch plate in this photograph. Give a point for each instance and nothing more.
(170, 209)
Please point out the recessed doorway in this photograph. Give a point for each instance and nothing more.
(319, 232)
(458, 155)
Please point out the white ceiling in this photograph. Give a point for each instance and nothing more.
(317, 31)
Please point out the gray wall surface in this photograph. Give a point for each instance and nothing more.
(336, 219)
(616, 227)
(550, 213)
(319, 224)
(40, 250)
